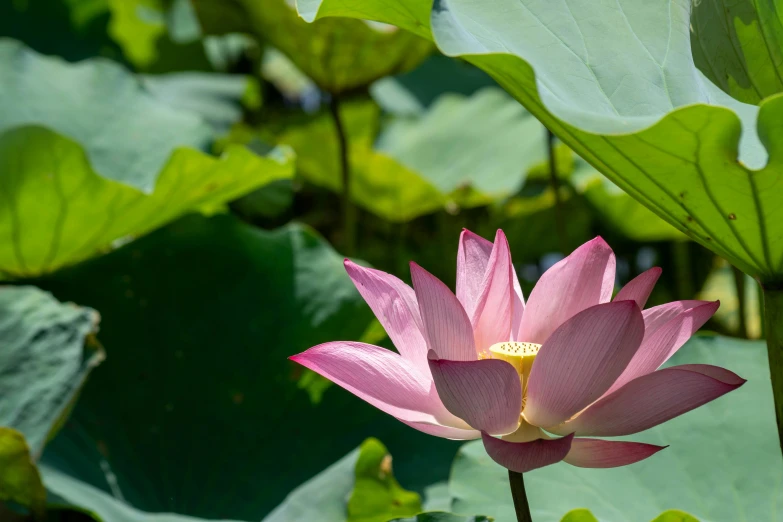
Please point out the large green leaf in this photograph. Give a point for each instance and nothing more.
(43, 359)
(200, 318)
(127, 134)
(102, 506)
(323, 497)
(339, 55)
(723, 464)
(739, 46)
(45, 356)
(56, 210)
(360, 487)
(485, 142)
(619, 86)
(217, 98)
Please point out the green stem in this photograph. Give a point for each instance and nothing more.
(773, 317)
(554, 181)
(681, 254)
(348, 210)
(739, 285)
(520, 498)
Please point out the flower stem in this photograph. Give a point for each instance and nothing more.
(773, 317)
(739, 285)
(520, 498)
(348, 210)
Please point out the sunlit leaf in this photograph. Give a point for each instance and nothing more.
(136, 25)
(126, 133)
(338, 55)
(377, 496)
(584, 515)
(739, 46)
(705, 471)
(20, 481)
(644, 116)
(675, 516)
(200, 318)
(579, 515)
(56, 210)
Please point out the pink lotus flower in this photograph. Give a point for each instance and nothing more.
(571, 361)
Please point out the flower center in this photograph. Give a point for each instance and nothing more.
(518, 355)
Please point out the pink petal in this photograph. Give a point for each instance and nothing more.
(518, 307)
(581, 360)
(581, 280)
(380, 377)
(394, 304)
(640, 287)
(652, 399)
(445, 432)
(494, 307)
(664, 342)
(658, 316)
(526, 456)
(486, 394)
(446, 325)
(596, 453)
(472, 261)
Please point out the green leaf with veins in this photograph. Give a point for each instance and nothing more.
(56, 210)
(338, 55)
(127, 134)
(739, 46)
(645, 117)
